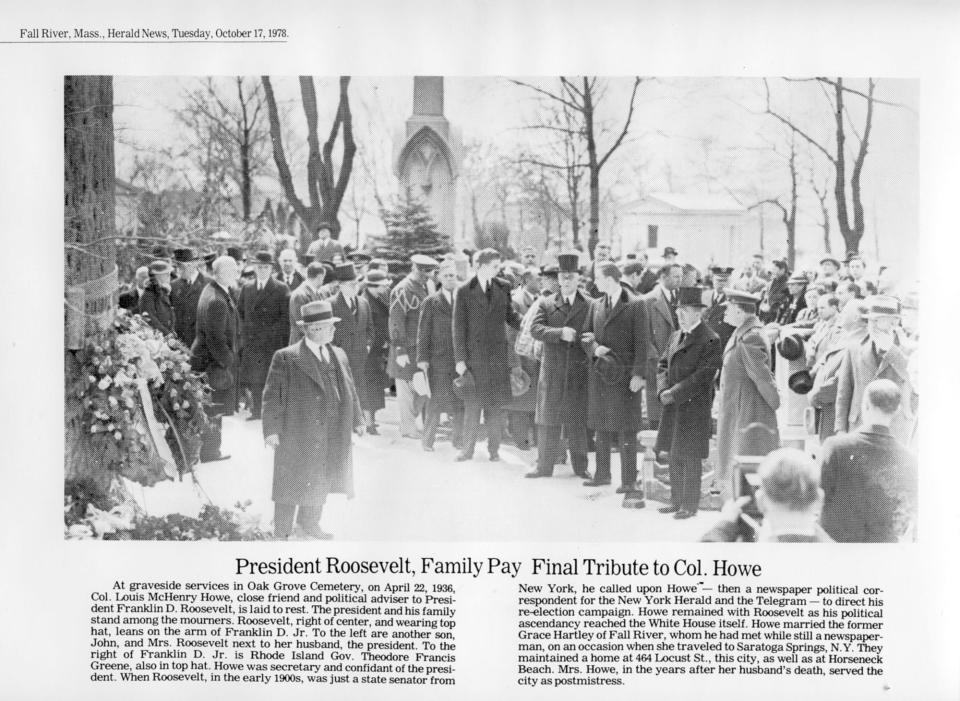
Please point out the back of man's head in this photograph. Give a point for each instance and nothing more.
(633, 268)
(316, 271)
(790, 480)
(487, 255)
(882, 396)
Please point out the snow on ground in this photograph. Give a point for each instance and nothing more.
(405, 494)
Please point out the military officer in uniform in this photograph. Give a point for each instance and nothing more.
(717, 307)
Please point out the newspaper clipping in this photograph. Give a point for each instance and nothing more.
(479, 350)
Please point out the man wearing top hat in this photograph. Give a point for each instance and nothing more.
(155, 302)
(289, 275)
(564, 371)
(615, 342)
(354, 333)
(685, 377)
(714, 314)
(185, 294)
(748, 392)
(311, 290)
(884, 354)
(406, 300)
(310, 411)
(481, 310)
(324, 248)
(265, 327)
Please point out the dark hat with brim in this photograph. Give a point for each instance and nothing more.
(568, 263)
(883, 305)
(236, 253)
(184, 255)
(800, 382)
(670, 251)
(314, 312)
(208, 258)
(690, 297)
(609, 368)
(377, 277)
(549, 270)
(790, 347)
(345, 272)
(359, 258)
(263, 258)
(721, 271)
(464, 386)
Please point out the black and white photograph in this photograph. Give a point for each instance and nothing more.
(426, 308)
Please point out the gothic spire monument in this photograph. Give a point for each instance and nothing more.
(427, 161)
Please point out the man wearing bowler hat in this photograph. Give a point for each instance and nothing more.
(265, 327)
(564, 372)
(685, 376)
(310, 410)
(615, 340)
(185, 294)
(155, 302)
(354, 332)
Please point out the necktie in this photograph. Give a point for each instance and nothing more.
(683, 335)
(325, 353)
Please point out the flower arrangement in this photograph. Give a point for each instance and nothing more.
(129, 362)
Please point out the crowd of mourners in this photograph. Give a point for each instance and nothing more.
(567, 356)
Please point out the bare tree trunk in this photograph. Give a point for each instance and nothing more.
(245, 175)
(593, 167)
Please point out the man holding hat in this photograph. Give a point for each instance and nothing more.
(310, 409)
(265, 327)
(884, 354)
(354, 334)
(406, 299)
(185, 294)
(748, 391)
(324, 248)
(564, 372)
(685, 376)
(155, 301)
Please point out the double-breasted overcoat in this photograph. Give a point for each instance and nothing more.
(354, 335)
(264, 328)
(435, 346)
(562, 393)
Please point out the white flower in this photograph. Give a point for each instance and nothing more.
(80, 530)
(184, 367)
(112, 401)
(173, 393)
(176, 406)
(118, 435)
(91, 378)
(104, 383)
(177, 376)
(93, 429)
(185, 405)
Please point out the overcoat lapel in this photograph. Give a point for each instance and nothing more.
(307, 362)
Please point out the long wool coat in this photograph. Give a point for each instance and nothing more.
(217, 343)
(156, 306)
(185, 296)
(353, 334)
(265, 327)
(480, 340)
(406, 300)
(661, 326)
(562, 393)
(435, 346)
(376, 368)
(306, 465)
(613, 407)
(688, 370)
(748, 391)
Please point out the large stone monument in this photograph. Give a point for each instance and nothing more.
(427, 158)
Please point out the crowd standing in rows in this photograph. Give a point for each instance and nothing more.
(568, 357)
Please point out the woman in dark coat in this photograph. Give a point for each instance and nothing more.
(377, 294)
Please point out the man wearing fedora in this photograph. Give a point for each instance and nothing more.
(884, 354)
(748, 395)
(155, 302)
(406, 301)
(215, 350)
(265, 327)
(185, 294)
(376, 291)
(564, 372)
(354, 334)
(686, 372)
(324, 248)
(310, 411)
(435, 357)
(615, 340)
(482, 309)
(310, 290)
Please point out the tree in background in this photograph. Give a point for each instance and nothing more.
(325, 185)
(410, 229)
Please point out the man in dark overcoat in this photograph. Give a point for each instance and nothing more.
(406, 300)
(377, 293)
(185, 294)
(481, 308)
(685, 386)
(215, 350)
(130, 299)
(615, 340)
(354, 334)
(435, 357)
(264, 325)
(717, 308)
(310, 410)
(564, 372)
(661, 316)
(748, 390)
(155, 302)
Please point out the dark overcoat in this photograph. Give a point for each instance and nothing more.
(156, 306)
(435, 346)
(265, 327)
(378, 298)
(562, 392)
(217, 342)
(480, 337)
(353, 334)
(748, 391)
(405, 303)
(623, 329)
(312, 459)
(185, 296)
(297, 280)
(713, 317)
(661, 326)
(688, 369)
